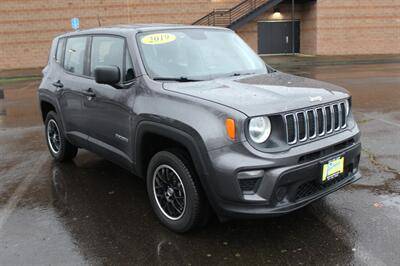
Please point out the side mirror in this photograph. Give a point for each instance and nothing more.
(110, 75)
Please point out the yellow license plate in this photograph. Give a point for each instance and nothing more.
(332, 169)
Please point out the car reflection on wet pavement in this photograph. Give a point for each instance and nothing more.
(90, 211)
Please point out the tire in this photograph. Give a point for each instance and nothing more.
(58, 145)
(174, 166)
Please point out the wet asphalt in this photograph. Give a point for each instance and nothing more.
(90, 211)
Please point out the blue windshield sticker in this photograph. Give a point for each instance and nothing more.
(75, 23)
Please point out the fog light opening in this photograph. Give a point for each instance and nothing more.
(280, 194)
(250, 180)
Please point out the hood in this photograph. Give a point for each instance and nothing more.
(262, 94)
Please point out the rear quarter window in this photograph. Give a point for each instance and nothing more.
(59, 50)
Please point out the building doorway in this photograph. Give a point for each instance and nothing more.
(275, 37)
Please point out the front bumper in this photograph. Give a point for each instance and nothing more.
(289, 182)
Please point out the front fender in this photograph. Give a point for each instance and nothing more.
(187, 137)
(192, 141)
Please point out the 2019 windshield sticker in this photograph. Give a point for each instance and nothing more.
(158, 38)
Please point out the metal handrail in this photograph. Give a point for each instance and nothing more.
(227, 17)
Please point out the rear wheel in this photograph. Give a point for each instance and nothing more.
(174, 191)
(58, 145)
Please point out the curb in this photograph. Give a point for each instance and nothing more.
(305, 61)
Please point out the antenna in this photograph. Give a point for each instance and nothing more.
(98, 20)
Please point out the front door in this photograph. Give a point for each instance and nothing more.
(275, 37)
(108, 109)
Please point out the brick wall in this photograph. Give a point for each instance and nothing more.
(327, 27)
(308, 28)
(28, 26)
(340, 27)
(358, 27)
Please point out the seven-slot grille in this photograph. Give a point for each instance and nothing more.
(316, 122)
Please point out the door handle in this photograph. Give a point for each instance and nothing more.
(89, 93)
(58, 84)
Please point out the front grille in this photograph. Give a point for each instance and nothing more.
(311, 124)
(291, 129)
(336, 116)
(317, 122)
(302, 126)
(320, 125)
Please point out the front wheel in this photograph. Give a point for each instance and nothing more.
(58, 145)
(174, 191)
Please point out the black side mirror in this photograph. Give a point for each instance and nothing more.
(110, 75)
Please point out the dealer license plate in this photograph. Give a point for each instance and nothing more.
(332, 169)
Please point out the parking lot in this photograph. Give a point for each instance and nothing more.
(90, 211)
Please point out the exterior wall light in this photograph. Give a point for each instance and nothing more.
(277, 14)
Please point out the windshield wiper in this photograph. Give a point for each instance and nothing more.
(240, 74)
(179, 79)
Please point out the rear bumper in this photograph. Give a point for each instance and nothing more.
(287, 183)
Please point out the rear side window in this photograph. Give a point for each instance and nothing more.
(60, 50)
(107, 51)
(75, 55)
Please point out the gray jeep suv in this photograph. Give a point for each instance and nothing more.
(197, 114)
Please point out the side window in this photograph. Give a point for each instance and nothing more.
(75, 55)
(129, 73)
(107, 51)
(59, 50)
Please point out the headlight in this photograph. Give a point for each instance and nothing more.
(347, 107)
(259, 129)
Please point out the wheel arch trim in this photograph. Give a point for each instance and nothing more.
(191, 141)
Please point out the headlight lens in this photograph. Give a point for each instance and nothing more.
(347, 107)
(259, 129)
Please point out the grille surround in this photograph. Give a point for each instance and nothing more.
(316, 117)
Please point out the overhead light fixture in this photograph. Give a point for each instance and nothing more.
(277, 13)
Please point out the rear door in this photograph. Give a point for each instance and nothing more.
(71, 84)
(108, 110)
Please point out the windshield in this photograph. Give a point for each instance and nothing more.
(197, 54)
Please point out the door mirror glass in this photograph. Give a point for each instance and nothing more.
(109, 75)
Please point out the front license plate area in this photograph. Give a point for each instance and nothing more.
(332, 169)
